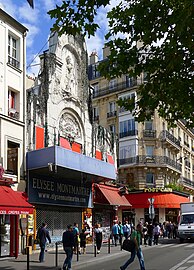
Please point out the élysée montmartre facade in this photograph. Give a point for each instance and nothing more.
(151, 155)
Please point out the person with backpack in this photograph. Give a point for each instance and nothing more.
(120, 226)
(42, 236)
(115, 232)
(136, 236)
(68, 245)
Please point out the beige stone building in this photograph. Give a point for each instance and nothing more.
(151, 156)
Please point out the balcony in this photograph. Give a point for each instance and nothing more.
(157, 161)
(117, 87)
(111, 114)
(149, 133)
(187, 182)
(128, 133)
(13, 113)
(168, 137)
(13, 62)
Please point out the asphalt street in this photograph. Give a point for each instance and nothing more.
(168, 255)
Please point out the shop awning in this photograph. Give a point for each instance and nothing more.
(161, 200)
(13, 202)
(112, 196)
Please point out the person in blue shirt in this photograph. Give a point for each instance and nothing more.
(115, 232)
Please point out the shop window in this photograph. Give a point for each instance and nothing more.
(12, 157)
(171, 214)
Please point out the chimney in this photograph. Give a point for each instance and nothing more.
(93, 58)
(106, 52)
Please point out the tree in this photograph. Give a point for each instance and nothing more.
(166, 31)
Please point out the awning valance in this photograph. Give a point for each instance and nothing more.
(111, 194)
(13, 202)
(161, 200)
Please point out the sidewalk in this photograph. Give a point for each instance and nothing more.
(50, 259)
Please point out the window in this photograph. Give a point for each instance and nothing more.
(127, 151)
(112, 84)
(150, 179)
(112, 106)
(96, 89)
(148, 125)
(130, 81)
(127, 128)
(112, 128)
(12, 158)
(13, 51)
(149, 151)
(12, 104)
(95, 114)
(95, 72)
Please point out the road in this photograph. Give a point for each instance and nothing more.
(166, 256)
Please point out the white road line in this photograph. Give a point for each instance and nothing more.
(176, 267)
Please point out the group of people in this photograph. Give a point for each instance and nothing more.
(74, 241)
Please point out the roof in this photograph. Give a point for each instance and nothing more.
(14, 202)
(112, 196)
(161, 200)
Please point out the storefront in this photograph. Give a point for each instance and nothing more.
(60, 186)
(109, 204)
(14, 212)
(166, 204)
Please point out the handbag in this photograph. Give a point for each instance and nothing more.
(128, 245)
(36, 241)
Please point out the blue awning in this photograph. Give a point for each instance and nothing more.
(68, 159)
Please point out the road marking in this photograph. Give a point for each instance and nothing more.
(183, 262)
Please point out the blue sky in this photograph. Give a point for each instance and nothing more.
(38, 23)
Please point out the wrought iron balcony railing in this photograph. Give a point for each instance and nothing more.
(167, 135)
(128, 133)
(148, 160)
(149, 133)
(111, 114)
(12, 61)
(187, 182)
(117, 87)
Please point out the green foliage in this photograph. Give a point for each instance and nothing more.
(165, 28)
(175, 187)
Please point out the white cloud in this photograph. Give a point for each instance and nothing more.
(33, 31)
(28, 14)
(33, 68)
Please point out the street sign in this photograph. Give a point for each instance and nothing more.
(151, 200)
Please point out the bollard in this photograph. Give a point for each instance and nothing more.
(56, 254)
(95, 250)
(28, 258)
(77, 251)
(109, 244)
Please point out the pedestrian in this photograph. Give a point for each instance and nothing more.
(150, 233)
(136, 237)
(126, 230)
(145, 233)
(156, 233)
(76, 238)
(115, 232)
(120, 232)
(68, 246)
(43, 235)
(98, 237)
(83, 241)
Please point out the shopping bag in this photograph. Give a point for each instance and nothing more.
(128, 245)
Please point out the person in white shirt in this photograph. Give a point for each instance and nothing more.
(126, 230)
(156, 232)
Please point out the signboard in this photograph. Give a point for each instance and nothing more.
(151, 208)
(53, 191)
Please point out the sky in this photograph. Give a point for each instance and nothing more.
(38, 23)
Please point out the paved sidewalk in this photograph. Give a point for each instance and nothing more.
(50, 259)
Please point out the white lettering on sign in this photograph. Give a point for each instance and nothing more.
(158, 190)
(3, 212)
(42, 184)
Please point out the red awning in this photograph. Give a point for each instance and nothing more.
(161, 200)
(112, 195)
(13, 202)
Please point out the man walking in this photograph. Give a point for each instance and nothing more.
(136, 237)
(126, 229)
(43, 235)
(68, 245)
(115, 232)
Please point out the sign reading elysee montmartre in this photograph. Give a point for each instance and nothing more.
(55, 192)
